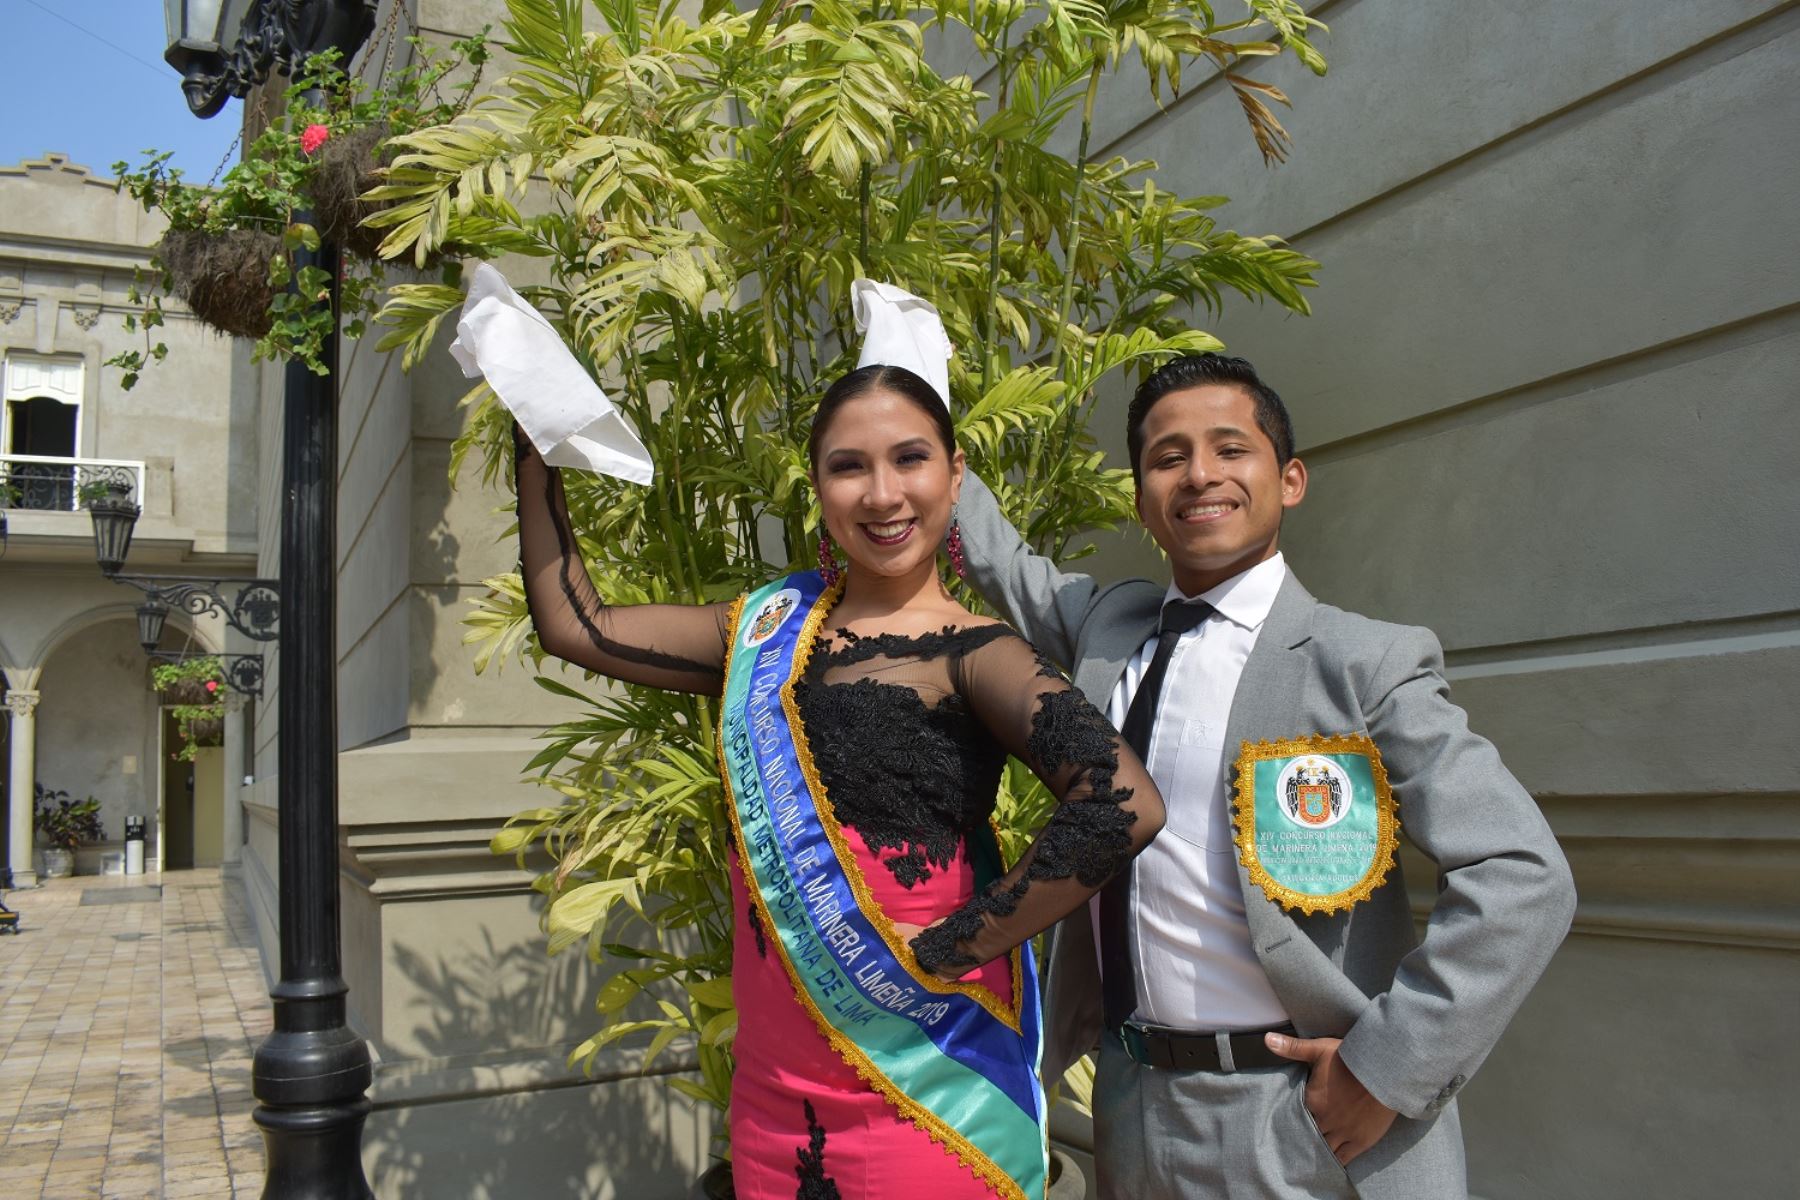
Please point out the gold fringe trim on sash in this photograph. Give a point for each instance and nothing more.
(929, 1123)
(1006, 1014)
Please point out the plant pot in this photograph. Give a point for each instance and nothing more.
(207, 731)
(54, 862)
(188, 691)
(349, 164)
(715, 1184)
(1066, 1180)
(223, 277)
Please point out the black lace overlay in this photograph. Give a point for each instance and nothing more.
(910, 733)
(952, 641)
(815, 1184)
(911, 778)
(677, 647)
(1089, 839)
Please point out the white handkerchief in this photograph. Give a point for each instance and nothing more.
(560, 408)
(901, 330)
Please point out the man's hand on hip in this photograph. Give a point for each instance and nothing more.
(1349, 1117)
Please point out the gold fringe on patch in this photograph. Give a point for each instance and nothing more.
(1387, 819)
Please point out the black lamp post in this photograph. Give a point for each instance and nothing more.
(311, 1074)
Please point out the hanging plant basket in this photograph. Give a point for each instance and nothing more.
(207, 731)
(349, 165)
(188, 691)
(223, 277)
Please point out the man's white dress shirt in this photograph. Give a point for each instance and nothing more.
(1196, 969)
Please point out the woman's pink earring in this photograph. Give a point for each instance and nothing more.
(954, 545)
(828, 563)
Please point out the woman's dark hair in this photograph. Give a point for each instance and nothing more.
(1194, 370)
(864, 380)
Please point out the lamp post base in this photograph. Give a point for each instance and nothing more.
(310, 1084)
(314, 1153)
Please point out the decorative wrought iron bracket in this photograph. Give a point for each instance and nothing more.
(254, 610)
(243, 672)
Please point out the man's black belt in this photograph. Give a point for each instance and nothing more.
(1174, 1050)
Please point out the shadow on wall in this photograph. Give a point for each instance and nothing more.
(525, 1125)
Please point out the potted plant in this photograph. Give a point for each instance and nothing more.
(63, 824)
(229, 252)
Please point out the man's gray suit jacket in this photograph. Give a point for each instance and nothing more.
(1417, 1016)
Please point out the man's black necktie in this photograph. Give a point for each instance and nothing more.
(1118, 979)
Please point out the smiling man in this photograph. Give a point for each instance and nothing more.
(1269, 1022)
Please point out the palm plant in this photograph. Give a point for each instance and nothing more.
(701, 193)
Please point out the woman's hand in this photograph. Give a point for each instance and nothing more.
(941, 961)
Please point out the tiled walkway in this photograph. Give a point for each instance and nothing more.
(126, 1032)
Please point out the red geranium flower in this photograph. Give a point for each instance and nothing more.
(312, 137)
(212, 685)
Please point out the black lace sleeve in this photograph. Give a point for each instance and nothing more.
(1108, 807)
(674, 646)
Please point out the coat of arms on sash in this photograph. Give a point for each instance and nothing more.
(769, 617)
(1316, 826)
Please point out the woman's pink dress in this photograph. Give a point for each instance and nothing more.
(803, 1124)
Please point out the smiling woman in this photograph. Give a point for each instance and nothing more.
(886, 469)
(886, 999)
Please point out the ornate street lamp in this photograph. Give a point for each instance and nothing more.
(195, 29)
(253, 609)
(226, 48)
(243, 672)
(151, 614)
(311, 1074)
(114, 515)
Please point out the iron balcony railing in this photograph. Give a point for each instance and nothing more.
(50, 484)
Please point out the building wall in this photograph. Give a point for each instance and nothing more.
(1544, 396)
(70, 246)
(1547, 396)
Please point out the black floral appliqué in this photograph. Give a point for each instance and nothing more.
(912, 778)
(815, 1184)
(1089, 838)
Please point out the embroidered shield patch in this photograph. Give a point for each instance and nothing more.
(1316, 826)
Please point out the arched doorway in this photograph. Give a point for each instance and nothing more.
(103, 731)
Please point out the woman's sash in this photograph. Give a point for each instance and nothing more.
(951, 1060)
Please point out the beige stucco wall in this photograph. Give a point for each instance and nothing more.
(69, 247)
(1547, 395)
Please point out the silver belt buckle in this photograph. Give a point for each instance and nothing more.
(1126, 1029)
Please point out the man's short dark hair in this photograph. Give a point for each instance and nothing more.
(1197, 370)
